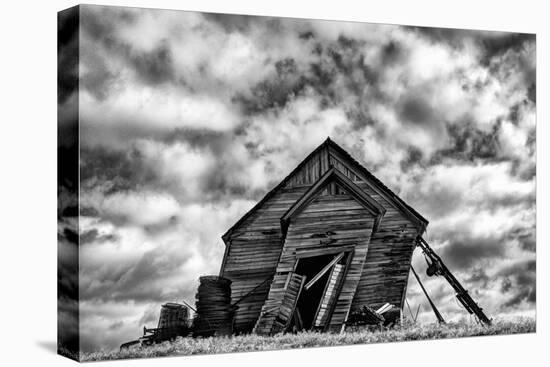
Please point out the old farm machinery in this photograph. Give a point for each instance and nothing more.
(173, 322)
(436, 267)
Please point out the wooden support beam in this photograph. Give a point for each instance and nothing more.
(188, 305)
(267, 280)
(435, 310)
(324, 270)
(409, 307)
(298, 319)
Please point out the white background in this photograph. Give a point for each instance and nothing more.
(28, 182)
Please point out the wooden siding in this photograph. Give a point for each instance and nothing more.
(386, 269)
(387, 265)
(253, 253)
(311, 170)
(350, 225)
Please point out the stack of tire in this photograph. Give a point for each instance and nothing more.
(214, 314)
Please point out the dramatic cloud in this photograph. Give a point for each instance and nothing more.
(188, 119)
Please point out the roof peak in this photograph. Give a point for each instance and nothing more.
(328, 141)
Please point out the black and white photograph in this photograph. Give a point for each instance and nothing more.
(237, 183)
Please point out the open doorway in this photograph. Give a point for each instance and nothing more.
(321, 287)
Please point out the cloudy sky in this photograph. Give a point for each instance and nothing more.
(188, 119)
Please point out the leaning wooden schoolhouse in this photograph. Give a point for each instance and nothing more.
(329, 239)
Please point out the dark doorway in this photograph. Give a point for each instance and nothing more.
(309, 299)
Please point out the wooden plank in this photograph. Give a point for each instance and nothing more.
(289, 301)
(329, 296)
(324, 270)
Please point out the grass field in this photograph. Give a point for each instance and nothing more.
(248, 343)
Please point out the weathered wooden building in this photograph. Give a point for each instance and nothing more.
(325, 241)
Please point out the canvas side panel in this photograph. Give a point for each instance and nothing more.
(68, 340)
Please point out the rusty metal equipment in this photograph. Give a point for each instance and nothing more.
(173, 322)
(436, 267)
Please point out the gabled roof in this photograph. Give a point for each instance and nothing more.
(334, 175)
(328, 143)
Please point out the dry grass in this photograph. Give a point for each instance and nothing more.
(249, 343)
